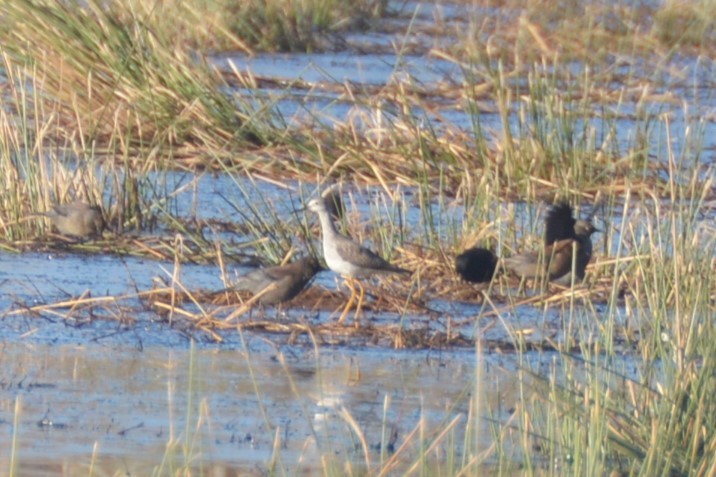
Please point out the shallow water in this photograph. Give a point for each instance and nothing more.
(118, 407)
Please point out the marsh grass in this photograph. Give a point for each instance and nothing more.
(146, 100)
(299, 26)
(36, 174)
(184, 448)
(39, 174)
(107, 73)
(591, 32)
(686, 24)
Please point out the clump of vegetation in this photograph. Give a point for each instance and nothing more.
(686, 24)
(277, 25)
(593, 33)
(114, 78)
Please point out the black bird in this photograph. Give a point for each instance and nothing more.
(280, 283)
(476, 265)
(559, 223)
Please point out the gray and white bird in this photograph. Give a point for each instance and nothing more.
(347, 257)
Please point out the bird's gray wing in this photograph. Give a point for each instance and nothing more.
(361, 256)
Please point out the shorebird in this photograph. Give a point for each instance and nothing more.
(77, 219)
(567, 241)
(348, 258)
(273, 285)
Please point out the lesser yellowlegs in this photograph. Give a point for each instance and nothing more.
(348, 258)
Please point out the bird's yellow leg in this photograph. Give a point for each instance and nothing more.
(359, 307)
(349, 282)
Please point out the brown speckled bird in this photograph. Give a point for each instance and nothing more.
(564, 237)
(77, 219)
(280, 283)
